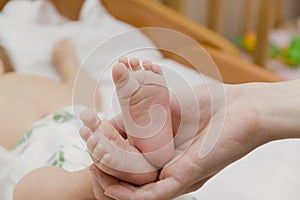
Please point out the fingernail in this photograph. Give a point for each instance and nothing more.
(110, 195)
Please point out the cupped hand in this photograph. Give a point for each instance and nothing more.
(224, 134)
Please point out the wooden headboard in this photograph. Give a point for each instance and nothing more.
(148, 13)
(144, 13)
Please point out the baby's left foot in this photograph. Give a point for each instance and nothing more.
(144, 99)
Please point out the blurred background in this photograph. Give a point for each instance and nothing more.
(231, 14)
(267, 32)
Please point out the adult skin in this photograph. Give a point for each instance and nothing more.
(256, 114)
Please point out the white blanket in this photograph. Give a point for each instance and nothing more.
(30, 28)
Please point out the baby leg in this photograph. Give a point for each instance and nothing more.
(54, 183)
(65, 61)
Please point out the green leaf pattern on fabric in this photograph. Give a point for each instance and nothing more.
(62, 117)
(58, 122)
(58, 159)
(25, 137)
(28, 134)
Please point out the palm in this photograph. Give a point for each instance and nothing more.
(219, 149)
(219, 140)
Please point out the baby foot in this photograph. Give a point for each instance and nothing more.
(90, 121)
(113, 154)
(144, 100)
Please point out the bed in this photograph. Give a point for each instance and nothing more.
(258, 175)
(150, 13)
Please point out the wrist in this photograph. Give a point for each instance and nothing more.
(277, 108)
(253, 100)
(239, 101)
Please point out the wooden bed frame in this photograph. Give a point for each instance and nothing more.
(148, 13)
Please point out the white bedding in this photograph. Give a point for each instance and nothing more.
(28, 29)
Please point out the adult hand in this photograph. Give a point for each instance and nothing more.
(253, 114)
(193, 167)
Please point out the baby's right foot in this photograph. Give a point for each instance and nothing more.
(144, 100)
(113, 154)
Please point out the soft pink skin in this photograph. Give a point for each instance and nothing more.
(113, 154)
(109, 150)
(271, 111)
(142, 94)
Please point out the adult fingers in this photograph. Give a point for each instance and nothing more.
(161, 190)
